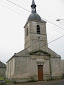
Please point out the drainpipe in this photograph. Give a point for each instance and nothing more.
(50, 67)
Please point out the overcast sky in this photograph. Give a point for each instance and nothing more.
(13, 19)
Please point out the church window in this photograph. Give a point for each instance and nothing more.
(38, 29)
(27, 31)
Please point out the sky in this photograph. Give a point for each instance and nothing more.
(13, 19)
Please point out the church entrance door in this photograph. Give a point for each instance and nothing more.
(40, 72)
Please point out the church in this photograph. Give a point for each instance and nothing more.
(37, 61)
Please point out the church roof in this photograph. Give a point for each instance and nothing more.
(53, 54)
(26, 53)
(48, 52)
(34, 16)
(2, 65)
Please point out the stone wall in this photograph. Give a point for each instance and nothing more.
(62, 67)
(46, 70)
(33, 40)
(2, 72)
(25, 67)
(10, 68)
(56, 67)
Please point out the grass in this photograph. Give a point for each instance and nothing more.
(6, 80)
(1, 78)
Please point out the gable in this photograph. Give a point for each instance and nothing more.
(2, 65)
(53, 54)
(40, 53)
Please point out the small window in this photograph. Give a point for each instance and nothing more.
(38, 29)
(27, 32)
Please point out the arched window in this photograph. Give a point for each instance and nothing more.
(27, 32)
(38, 29)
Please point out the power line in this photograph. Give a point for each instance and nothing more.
(53, 40)
(56, 39)
(45, 20)
(50, 22)
(50, 41)
(53, 23)
(55, 30)
(40, 10)
(29, 11)
(11, 9)
(18, 5)
(25, 3)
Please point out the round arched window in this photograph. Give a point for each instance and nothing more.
(38, 29)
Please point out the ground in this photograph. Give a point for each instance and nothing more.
(54, 82)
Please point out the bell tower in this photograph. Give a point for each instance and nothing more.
(35, 31)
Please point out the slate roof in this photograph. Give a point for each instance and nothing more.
(34, 16)
(2, 65)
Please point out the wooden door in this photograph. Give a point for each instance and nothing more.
(40, 72)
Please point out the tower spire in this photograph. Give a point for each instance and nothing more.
(33, 2)
(33, 6)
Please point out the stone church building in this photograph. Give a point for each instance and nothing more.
(36, 61)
